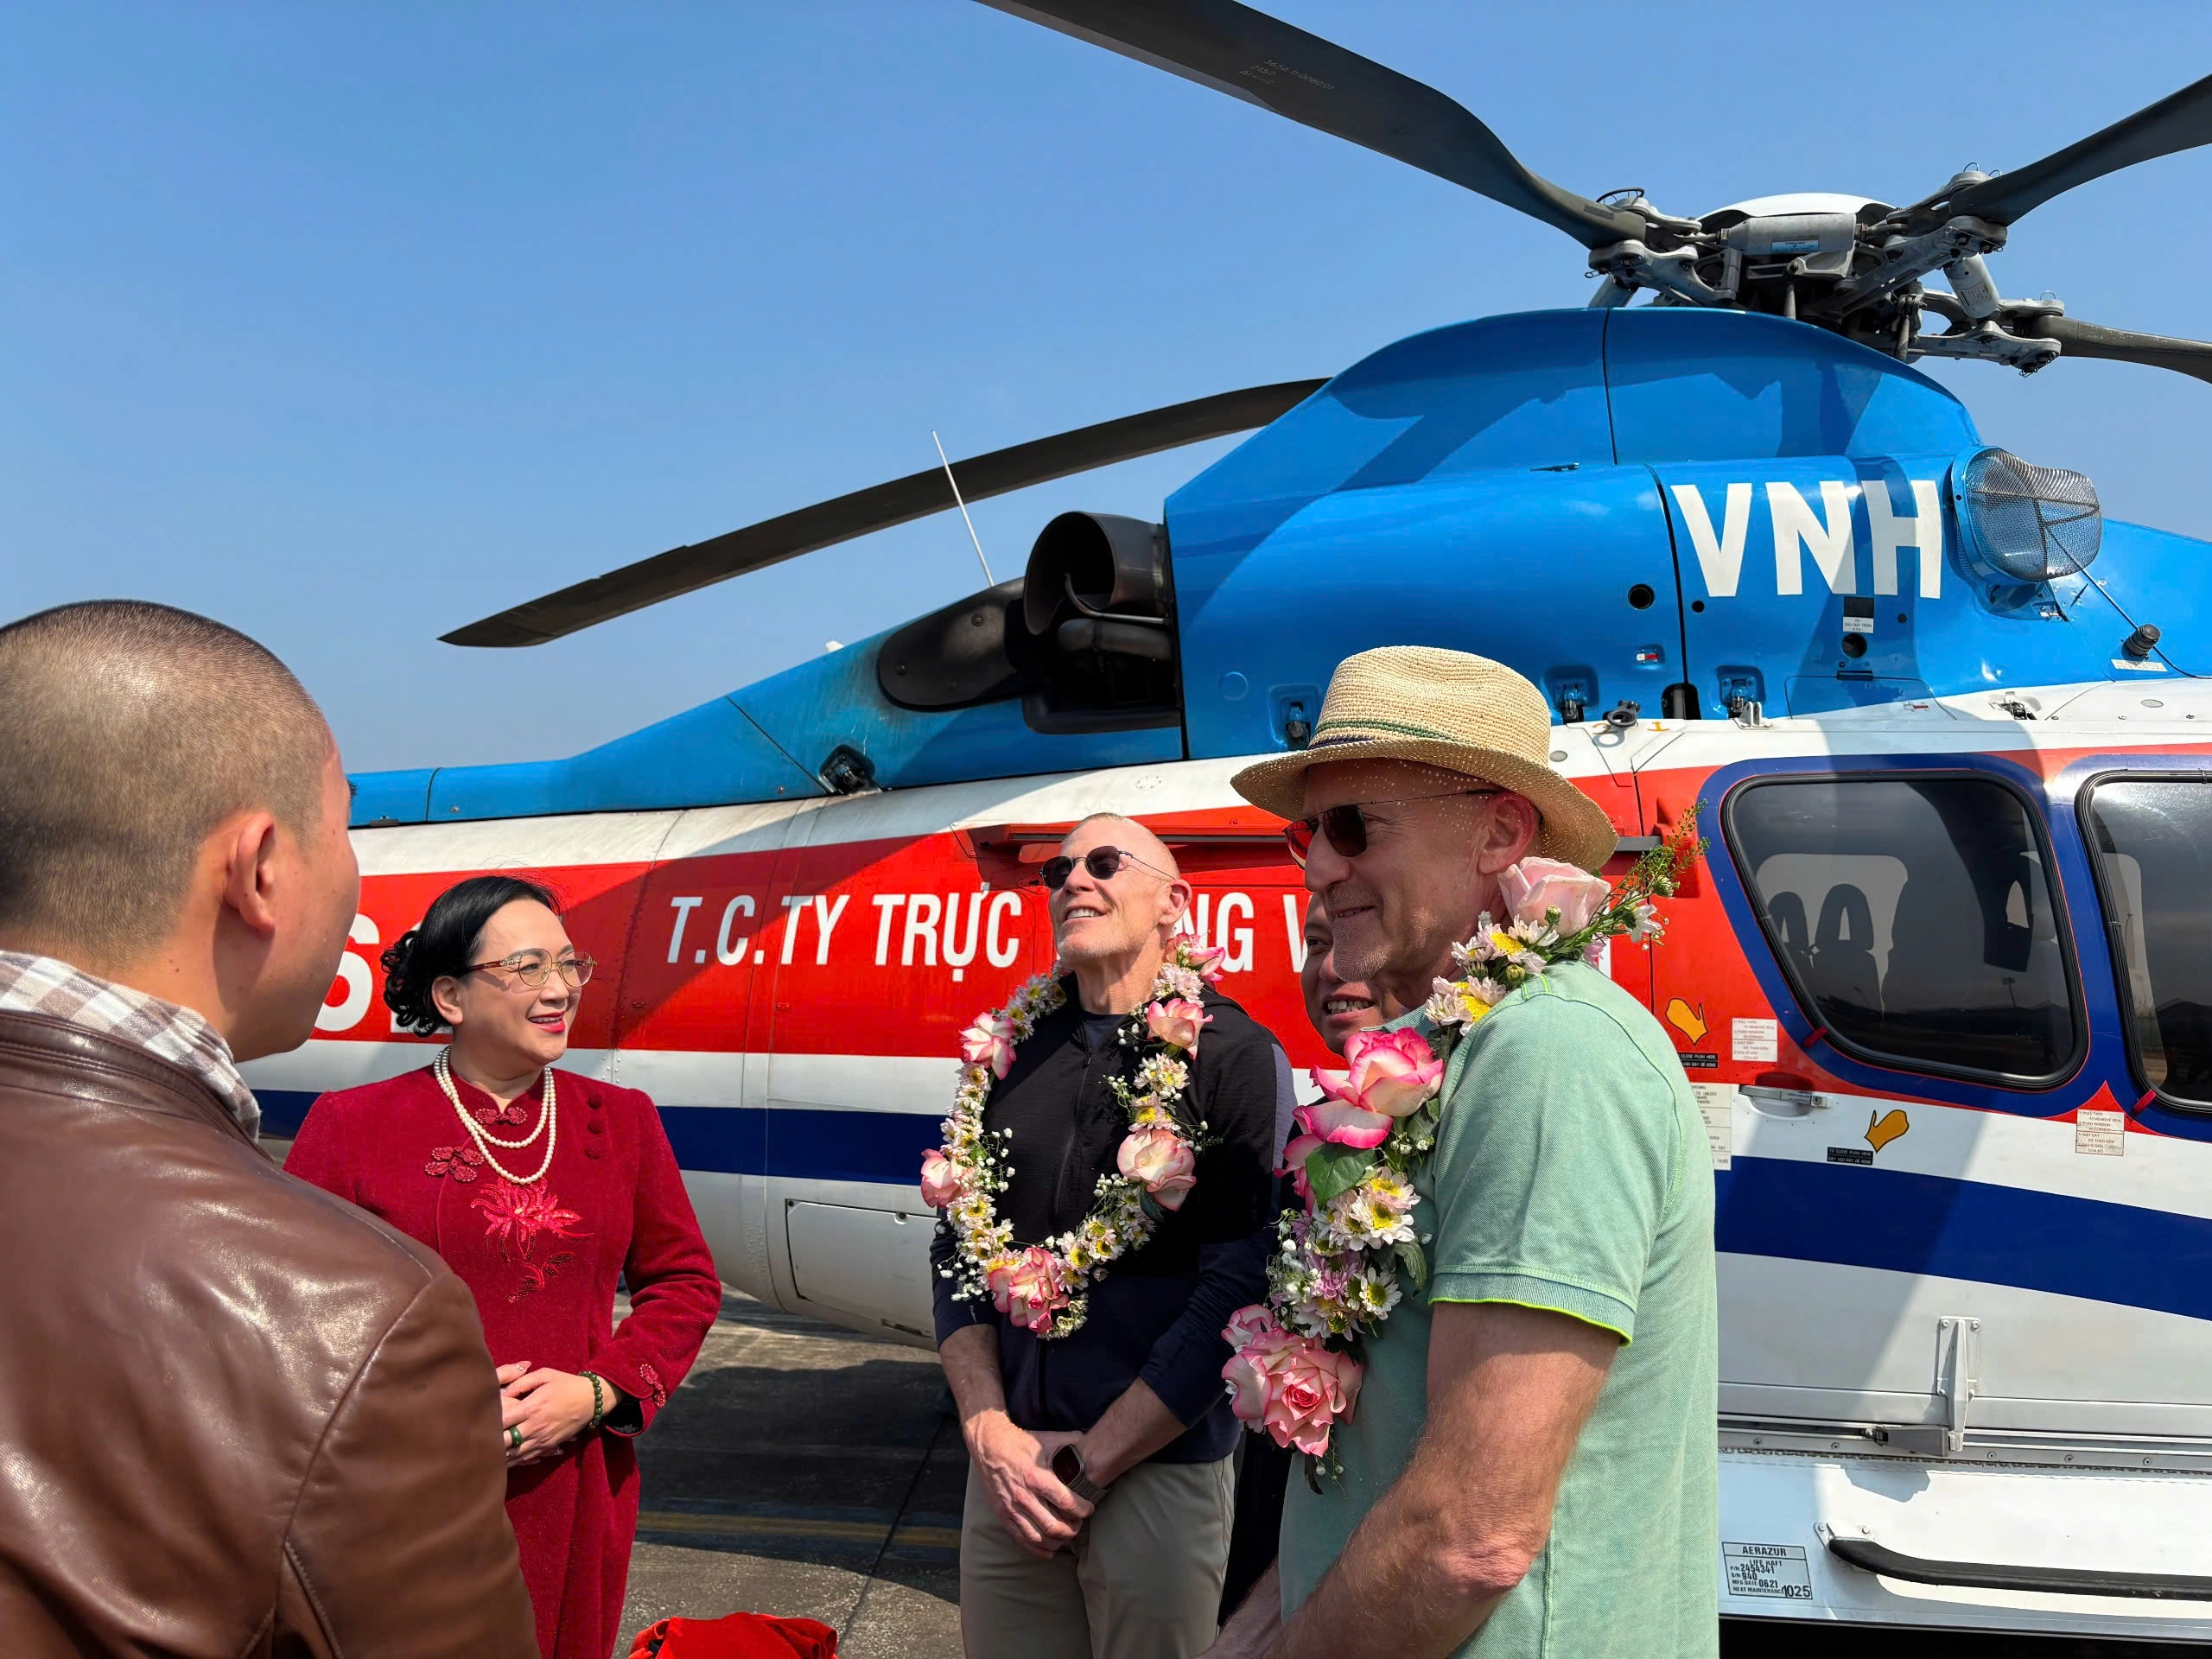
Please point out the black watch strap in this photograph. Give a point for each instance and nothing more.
(1067, 1466)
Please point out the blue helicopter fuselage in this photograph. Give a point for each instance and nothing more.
(1614, 502)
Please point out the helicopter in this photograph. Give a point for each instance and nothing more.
(1942, 982)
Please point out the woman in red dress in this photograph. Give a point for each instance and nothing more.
(538, 1187)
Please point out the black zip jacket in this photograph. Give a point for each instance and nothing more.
(1158, 1313)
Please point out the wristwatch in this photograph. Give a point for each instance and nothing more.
(1067, 1465)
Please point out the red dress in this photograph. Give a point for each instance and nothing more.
(542, 1261)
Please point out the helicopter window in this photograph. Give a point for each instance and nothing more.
(1914, 918)
(2153, 838)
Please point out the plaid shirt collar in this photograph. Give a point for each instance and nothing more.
(32, 984)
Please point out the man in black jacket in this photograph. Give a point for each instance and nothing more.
(1101, 1480)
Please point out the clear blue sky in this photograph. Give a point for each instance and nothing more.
(349, 323)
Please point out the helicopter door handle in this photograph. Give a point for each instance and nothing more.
(1870, 1557)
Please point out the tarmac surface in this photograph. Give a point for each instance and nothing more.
(804, 1469)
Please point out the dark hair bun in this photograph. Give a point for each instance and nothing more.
(444, 944)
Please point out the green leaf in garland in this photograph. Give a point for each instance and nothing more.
(1332, 1169)
(1416, 1264)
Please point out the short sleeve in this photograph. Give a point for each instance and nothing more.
(1555, 1165)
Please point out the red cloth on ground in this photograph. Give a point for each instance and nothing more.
(739, 1636)
(542, 1261)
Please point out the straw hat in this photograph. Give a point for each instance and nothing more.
(1448, 708)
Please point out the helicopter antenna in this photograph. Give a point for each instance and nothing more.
(989, 581)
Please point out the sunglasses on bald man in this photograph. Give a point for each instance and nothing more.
(1104, 863)
(1347, 829)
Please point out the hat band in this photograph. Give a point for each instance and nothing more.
(1367, 729)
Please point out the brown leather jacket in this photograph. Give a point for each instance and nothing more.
(237, 1416)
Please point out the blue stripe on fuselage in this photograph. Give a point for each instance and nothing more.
(1893, 1220)
(1905, 1223)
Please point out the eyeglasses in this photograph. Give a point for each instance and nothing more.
(1104, 863)
(533, 966)
(1347, 828)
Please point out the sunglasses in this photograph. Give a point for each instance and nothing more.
(1346, 827)
(533, 967)
(1104, 863)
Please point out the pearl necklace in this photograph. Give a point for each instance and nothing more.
(548, 1125)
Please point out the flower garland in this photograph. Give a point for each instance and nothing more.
(1296, 1364)
(1040, 1287)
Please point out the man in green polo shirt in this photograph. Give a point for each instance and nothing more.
(1530, 1471)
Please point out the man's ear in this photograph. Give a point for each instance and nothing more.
(1508, 832)
(250, 846)
(1175, 902)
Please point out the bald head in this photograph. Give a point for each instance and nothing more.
(1113, 930)
(129, 734)
(1125, 833)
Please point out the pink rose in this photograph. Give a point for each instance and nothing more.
(942, 1184)
(1252, 1327)
(989, 1042)
(1030, 1289)
(1392, 1071)
(1534, 885)
(1294, 1163)
(1161, 1159)
(1207, 959)
(1302, 1389)
(1257, 1341)
(1178, 1023)
(1334, 1119)
(1246, 1373)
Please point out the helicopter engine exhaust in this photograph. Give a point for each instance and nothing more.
(1084, 640)
(1098, 582)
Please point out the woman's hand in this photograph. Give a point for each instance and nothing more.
(550, 1406)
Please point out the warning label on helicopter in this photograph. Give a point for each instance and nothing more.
(2101, 1134)
(1779, 1572)
(1716, 1103)
(1753, 1039)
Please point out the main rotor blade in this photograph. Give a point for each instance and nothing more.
(685, 569)
(2155, 350)
(1249, 54)
(2181, 122)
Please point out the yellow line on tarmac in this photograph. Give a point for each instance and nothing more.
(769, 1526)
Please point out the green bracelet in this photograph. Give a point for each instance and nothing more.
(598, 1398)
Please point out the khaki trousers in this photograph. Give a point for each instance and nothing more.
(1141, 1580)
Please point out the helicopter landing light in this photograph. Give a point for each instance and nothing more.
(2025, 524)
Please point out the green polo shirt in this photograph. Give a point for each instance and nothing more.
(1570, 1173)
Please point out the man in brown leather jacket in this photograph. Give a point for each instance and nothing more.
(239, 1417)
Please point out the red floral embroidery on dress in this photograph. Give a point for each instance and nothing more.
(518, 1216)
(651, 1378)
(511, 1114)
(536, 1274)
(459, 1162)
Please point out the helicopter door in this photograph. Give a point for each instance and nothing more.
(1910, 1235)
(897, 938)
(1800, 592)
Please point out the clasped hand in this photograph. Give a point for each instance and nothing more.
(1041, 1513)
(552, 1407)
